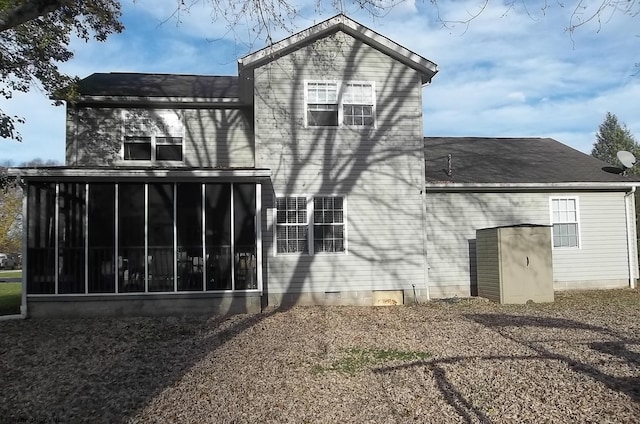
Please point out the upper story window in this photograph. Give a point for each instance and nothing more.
(337, 104)
(152, 135)
(565, 220)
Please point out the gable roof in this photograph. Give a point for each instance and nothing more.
(477, 161)
(161, 86)
(342, 23)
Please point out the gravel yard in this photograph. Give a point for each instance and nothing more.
(577, 360)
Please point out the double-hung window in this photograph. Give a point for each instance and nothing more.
(310, 225)
(565, 220)
(152, 135)
(292, 225)
(340, 104)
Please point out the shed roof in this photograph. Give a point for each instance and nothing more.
(477, 160)
(159, 85)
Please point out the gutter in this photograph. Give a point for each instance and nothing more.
(448, 187)
(629, 204)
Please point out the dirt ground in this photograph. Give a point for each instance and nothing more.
(458, 360)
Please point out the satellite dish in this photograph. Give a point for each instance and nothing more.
(626, 159)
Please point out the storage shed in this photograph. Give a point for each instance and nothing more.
(514, 264)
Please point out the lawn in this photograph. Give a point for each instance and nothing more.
(10, 298)
(17, 273)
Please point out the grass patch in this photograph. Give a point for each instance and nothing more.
(10, 298)
(356, 360)
(11, 274)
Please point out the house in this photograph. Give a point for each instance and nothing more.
(303, 180)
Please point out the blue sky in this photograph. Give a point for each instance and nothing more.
(509, 72)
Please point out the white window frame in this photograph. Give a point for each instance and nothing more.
(311, 226)
(309, 209)
(176, 132)
(576, 222)
(341, 101)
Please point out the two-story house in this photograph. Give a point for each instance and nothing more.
(303, 180)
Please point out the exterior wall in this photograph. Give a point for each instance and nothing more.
(378, 170)
(142, 305)
(452, 219)
(212, 138)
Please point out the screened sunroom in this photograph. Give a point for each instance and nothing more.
(141, 232)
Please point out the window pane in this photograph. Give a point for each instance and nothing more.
(244, 217)
(169, 152)
(189, 232)
(218, 236)
(71, 212)
(322, 118)
(101, 227)
(131, 223)
(137, 151)
(41, 238)
(565, 235)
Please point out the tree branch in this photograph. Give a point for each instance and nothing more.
(23, 11)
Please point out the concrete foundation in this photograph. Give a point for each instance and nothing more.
(142, 305)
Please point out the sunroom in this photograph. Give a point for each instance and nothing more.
(137, 240)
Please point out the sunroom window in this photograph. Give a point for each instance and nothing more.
(338, 104)
(152, 135)
(142, 237)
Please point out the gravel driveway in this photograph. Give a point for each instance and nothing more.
(577, 360)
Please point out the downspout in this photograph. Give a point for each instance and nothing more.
(425, 243)
(630, 233)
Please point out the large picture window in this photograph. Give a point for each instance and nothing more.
(565, 220)
(337, 104)
(311, 225)
(152, 135)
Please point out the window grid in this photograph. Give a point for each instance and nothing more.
(292, 225)
(334, 104)
(564, 217)
(328, 224)
(295, 233)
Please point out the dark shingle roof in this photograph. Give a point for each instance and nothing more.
(478, 160)
(159, 85)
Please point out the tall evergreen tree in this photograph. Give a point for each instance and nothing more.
(613, 136)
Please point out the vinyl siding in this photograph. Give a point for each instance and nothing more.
(603, 249)
(378, 170)
(212, 138)
(453, 218)
(94, 138)
(218, 138)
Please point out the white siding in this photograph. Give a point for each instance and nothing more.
(379, 171)
(218, 138)
(453, 218)
(212, 137)
(603, 253)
